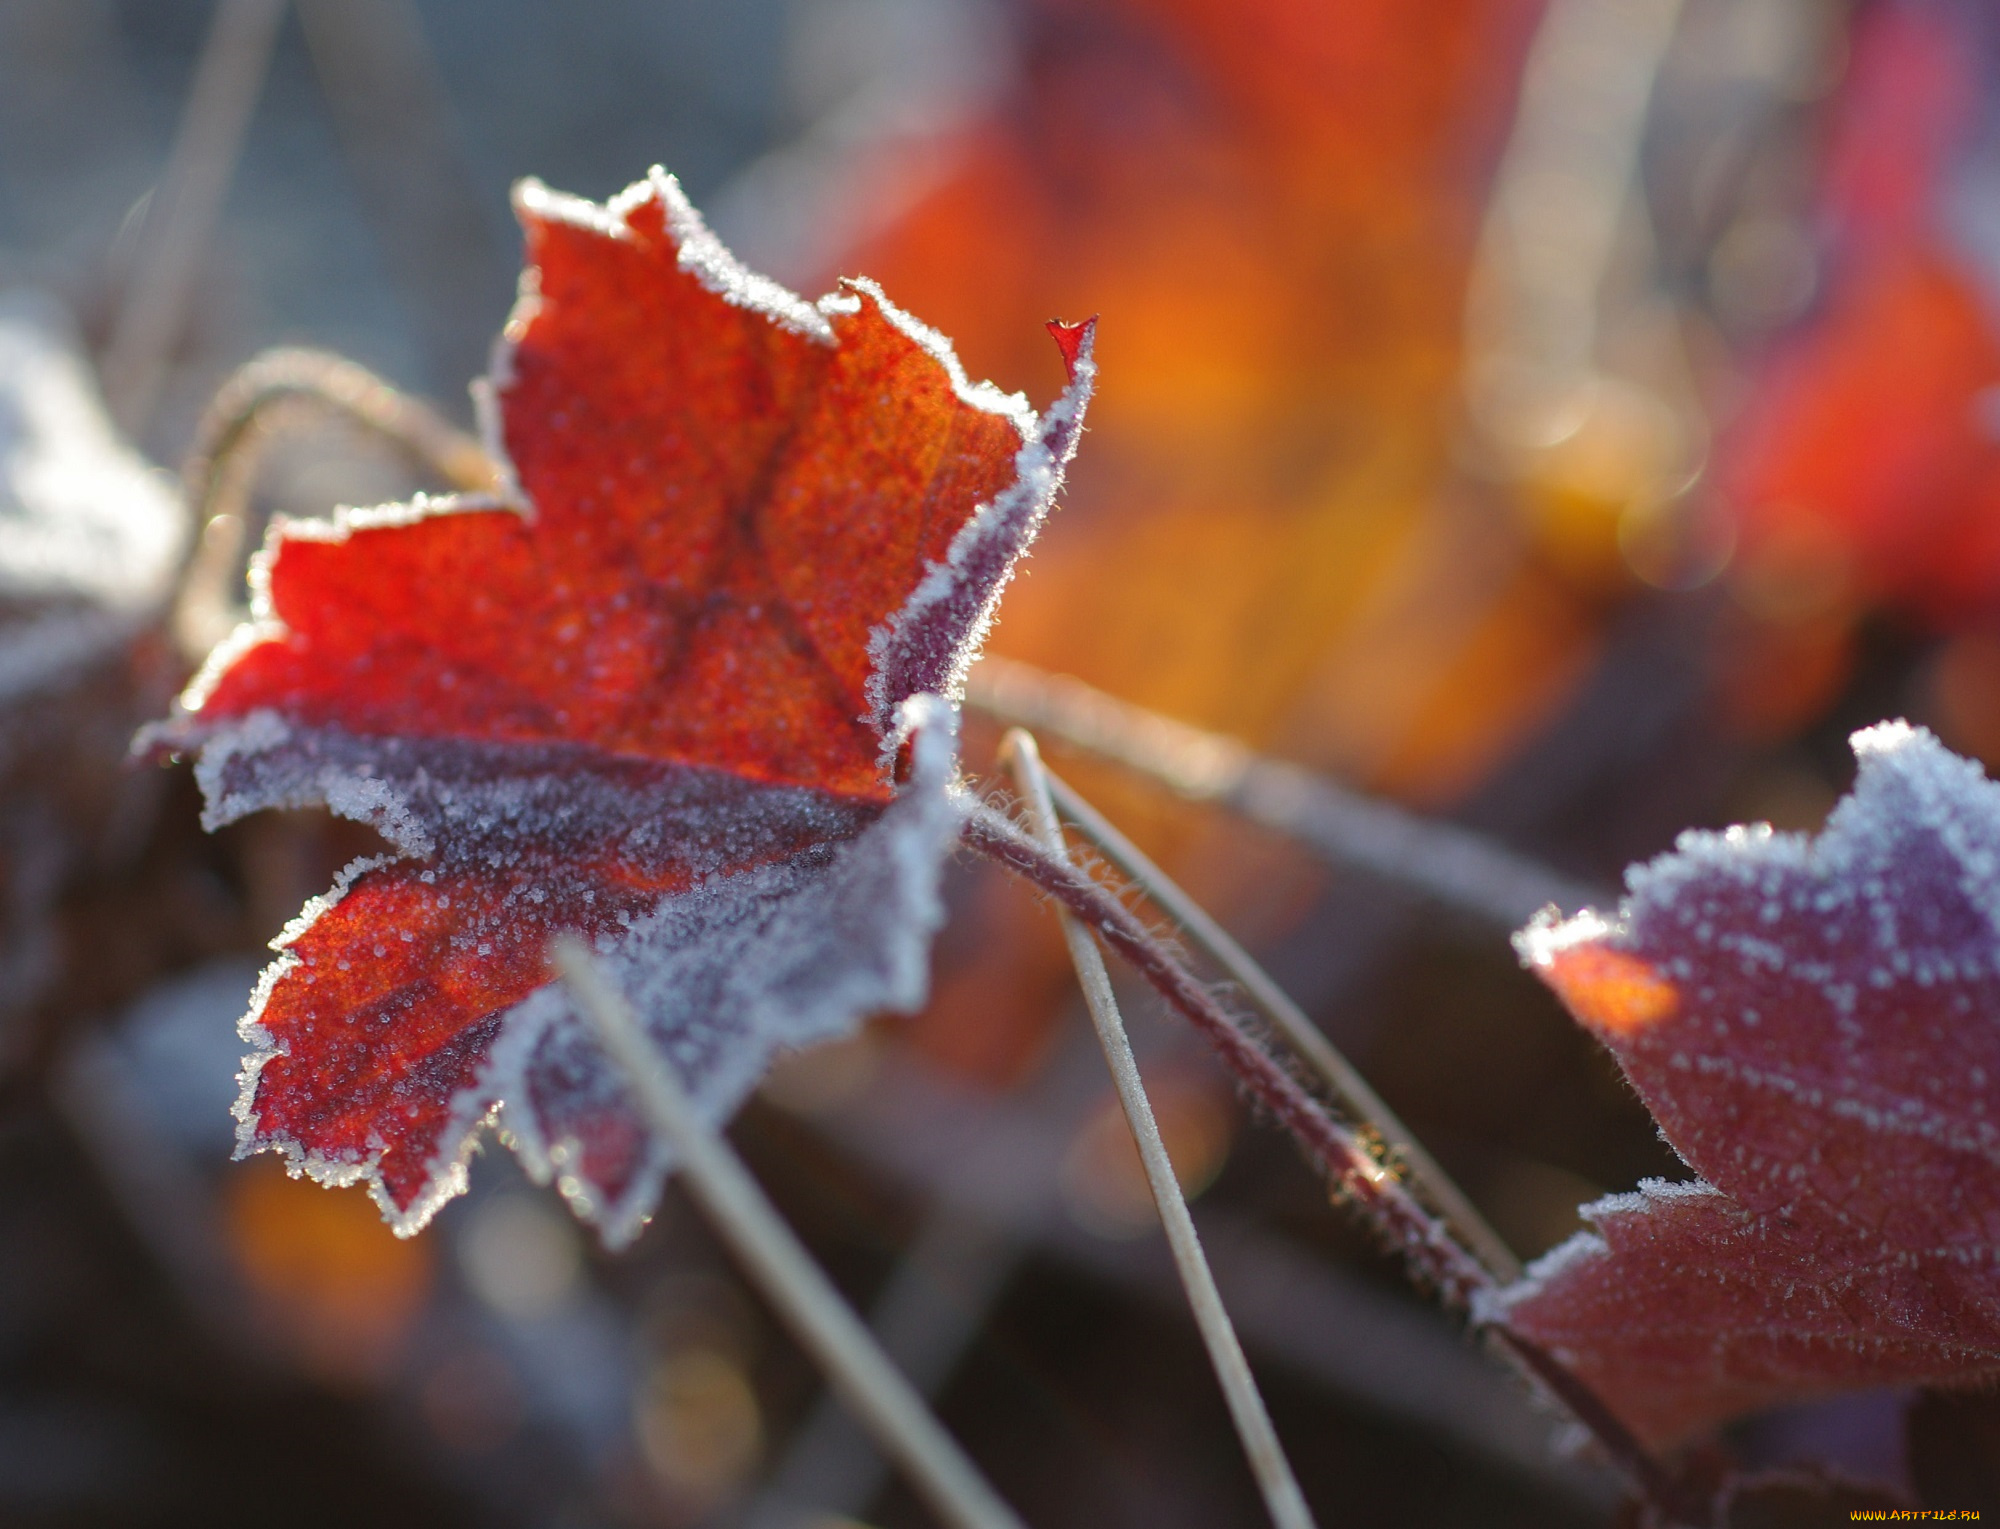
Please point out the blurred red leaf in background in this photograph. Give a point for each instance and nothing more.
(1276, 209)
(1866, 468)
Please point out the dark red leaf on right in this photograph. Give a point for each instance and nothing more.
(1815, 1023)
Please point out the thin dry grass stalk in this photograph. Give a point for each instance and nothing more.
(1433, 1256)
(1456, 866)
(1282, 1497)
(1339, 1076)
(1429, 1250)
(782, 1269)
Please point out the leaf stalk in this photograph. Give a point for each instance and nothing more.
(1350, 1090)
(1434, 1258)
(1429, 1250)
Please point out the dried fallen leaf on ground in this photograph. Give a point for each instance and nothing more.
(660, 701)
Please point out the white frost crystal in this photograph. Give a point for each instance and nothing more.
(90, 536)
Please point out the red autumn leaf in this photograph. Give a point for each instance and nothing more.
(1865, 466)
(1815, 1023)
(659, 701)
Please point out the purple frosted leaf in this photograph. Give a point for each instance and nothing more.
(1815, 1023)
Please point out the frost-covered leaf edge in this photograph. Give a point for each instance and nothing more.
(1492, 1306)
(982, 554)
(915, 834)
(917, 831)
(1899, 767)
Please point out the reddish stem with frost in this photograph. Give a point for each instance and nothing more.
(1426, 1245)
(1433, 1256)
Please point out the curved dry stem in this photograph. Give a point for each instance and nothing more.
(259, 403)
(1458, 867)
(1349, 1089)
(783, 1270)
(1282, 1498)
(1426, 1245)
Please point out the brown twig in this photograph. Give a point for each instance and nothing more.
(248, 411)
(1458, 867)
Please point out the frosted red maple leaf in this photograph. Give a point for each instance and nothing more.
(1815, 1023)
(661, 699)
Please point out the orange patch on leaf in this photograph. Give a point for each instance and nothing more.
(1610, 989)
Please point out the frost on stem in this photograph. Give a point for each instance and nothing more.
(1405, 1226)
(1283, 1500)
(1815, 1023)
